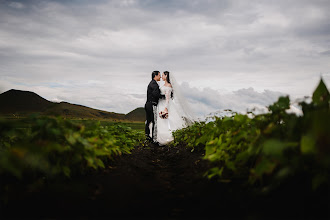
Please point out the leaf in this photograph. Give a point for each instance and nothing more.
(230, 165)
(215, 171)
(71, 139)
(100, 163)
(90, 162)
(307, 144)
(243, 156)
(318, 180)
(282, 104)
(284, 172)
(240, 118)
(66, 170)
(321, 94)
(273, 148)
(210, 148)
(264, 166)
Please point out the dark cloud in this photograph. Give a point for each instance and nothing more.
(325, 53)
(170, 7)
(214, 45)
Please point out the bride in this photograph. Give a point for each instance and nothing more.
(173, 112)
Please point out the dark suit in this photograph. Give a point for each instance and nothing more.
(153, 95)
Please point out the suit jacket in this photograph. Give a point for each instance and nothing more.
(153, 92)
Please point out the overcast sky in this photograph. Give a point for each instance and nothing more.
(226, 53)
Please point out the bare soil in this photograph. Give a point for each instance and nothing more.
(161, 183)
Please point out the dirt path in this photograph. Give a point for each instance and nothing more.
(153, 182)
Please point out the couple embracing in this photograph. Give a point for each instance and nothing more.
(166, 109)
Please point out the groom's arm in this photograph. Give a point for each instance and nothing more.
(156, 91)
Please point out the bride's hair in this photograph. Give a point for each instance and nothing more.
(167, 74)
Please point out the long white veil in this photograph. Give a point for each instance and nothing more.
(180, 102)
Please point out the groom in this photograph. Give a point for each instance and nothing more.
(153, 95)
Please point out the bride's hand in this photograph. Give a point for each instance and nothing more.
(165, 110)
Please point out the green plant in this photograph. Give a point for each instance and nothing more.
(54, 147)
(268, 148)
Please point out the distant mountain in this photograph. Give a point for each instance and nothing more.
(22, 101)
(69, 110)
(16, 102)
(137, 114)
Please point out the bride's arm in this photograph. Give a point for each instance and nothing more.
(167, 96)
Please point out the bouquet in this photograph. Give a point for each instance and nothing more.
(163, 115)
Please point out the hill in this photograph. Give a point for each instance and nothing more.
(137, 114)
(17, 102)
(69, 110)
(14, 101)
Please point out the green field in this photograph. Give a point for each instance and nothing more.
(23, 123)
(53, 146)
(134, 125)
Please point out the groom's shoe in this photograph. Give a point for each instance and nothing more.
(156, 143)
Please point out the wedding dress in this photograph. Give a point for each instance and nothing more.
(179, 115)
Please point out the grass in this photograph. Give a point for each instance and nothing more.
(20, 123)
(134, 125)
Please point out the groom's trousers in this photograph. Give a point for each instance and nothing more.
(150, 109)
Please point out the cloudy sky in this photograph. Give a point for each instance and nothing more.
(226, 53)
